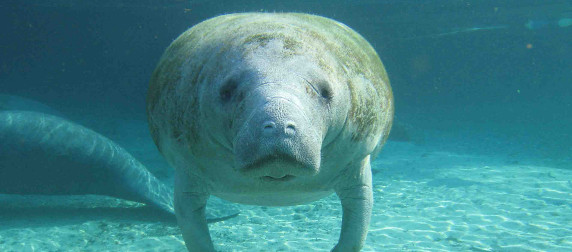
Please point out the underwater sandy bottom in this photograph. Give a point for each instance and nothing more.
(425, 200)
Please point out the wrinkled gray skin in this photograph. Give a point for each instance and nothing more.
(45, 154)
(270, 109)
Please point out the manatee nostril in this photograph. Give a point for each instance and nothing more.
(268, 127)
(290, 128)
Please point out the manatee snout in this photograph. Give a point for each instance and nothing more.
(277, 140)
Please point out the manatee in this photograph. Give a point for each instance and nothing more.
(45, 154)
(270, 109)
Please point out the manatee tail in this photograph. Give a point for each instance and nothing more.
(45, 154)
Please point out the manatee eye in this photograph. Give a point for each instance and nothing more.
(321, 88)
(325, 91)
(228, 89)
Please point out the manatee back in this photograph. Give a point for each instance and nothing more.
(45, 154)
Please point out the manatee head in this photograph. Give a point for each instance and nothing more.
(271, 104)
(268, 94)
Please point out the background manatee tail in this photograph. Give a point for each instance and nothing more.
(45, 154)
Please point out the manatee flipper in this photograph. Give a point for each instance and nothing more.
(45, 154)
(356, 195)
(190, 205)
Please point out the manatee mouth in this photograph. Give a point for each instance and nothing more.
(281, 179)
(279, 168)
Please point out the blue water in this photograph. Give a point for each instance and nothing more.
(482, 88)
